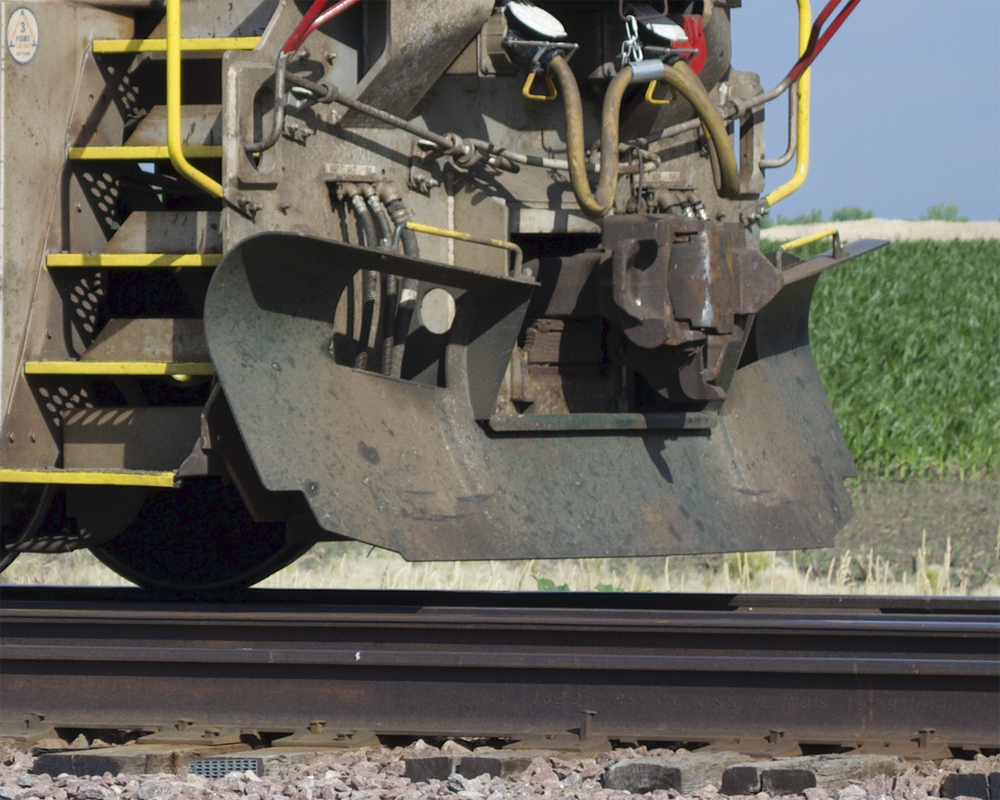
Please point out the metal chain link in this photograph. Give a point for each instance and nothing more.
(631, 47)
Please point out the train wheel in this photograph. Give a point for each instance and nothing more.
(24, 507)
(198, 539)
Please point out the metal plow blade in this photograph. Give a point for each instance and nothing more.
(416, 468)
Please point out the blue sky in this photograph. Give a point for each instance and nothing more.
(905, 108)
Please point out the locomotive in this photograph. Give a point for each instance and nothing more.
(462, 279)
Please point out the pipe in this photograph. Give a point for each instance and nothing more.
(802, 120)
(419, 227)
(593, 204)
(278, 125)
(334, 95)
(175, 148)
(793, 135)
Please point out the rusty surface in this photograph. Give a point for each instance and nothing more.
(410, 467)
(652, 667)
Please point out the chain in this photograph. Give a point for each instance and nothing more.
(631, 47)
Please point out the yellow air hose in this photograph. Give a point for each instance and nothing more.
(679, 77)
(593, 204)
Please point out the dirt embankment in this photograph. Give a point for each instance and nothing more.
(894, 230)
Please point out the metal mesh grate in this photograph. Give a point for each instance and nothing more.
(221, 767)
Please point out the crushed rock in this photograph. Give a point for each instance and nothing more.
(378, 774)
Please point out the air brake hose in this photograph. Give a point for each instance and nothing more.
(592, 204)
(680, 77)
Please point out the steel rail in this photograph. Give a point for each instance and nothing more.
(651, 667)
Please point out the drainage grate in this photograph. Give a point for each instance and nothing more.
(221, 767)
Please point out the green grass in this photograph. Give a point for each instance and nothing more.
(907, 340)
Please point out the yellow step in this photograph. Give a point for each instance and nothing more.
(187, 45)
(140, 152)
(83, 477)
(133, 259)
(179, 370)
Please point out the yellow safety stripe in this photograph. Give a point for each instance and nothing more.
(84, 477)
(180, 369)
(152, 152)
(187, 45)
(133, 259)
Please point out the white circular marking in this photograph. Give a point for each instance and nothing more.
(22, 35)
(437, 311)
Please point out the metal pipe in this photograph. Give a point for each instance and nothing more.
(802, 118)
(175, 148)
(334, 95)
(461, 236)
(278, 115)
(793, 135)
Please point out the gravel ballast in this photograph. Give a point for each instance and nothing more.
(380, 774)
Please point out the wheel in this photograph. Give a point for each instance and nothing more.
(23, 506)
(198, 539)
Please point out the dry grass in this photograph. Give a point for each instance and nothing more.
(355, 566)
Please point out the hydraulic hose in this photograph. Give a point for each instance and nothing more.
(680, 77)
(593, 204)
(410, 287)
(390, 283)
(370, 277)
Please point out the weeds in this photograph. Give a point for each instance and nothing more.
(354, 566)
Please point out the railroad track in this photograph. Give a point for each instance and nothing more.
(547, 669)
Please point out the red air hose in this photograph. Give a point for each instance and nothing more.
(312, 20)
(817, 42)
(302, 29)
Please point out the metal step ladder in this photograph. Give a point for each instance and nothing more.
(201, 253)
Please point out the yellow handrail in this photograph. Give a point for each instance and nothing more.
(174, 144)
(140, 152)
(802, 241)
(802, 123)
(419, 227)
